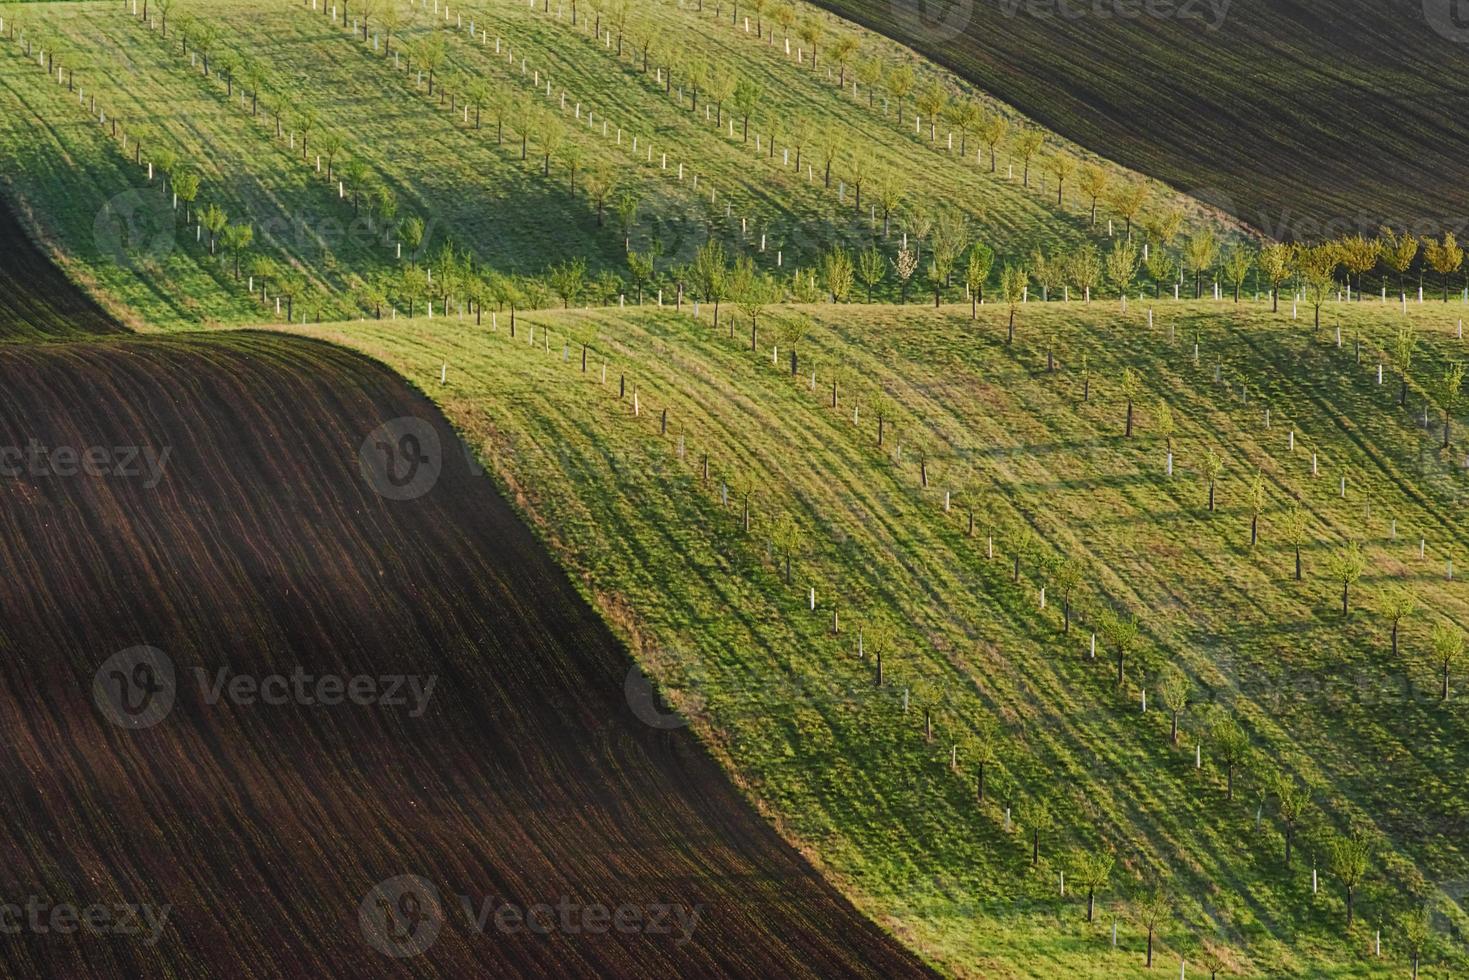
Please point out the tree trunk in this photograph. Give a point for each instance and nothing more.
(1150, 948)
(1120, 664)
(1174, 733)
(1298, 563)
(1091, 903)
(1066, 615)
(1129, 418)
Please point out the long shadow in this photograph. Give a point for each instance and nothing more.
(263, 540)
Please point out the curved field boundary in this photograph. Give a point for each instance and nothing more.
(253, 543)
(37, 301)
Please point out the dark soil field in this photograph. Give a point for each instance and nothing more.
(1295, 116)
(256, 542)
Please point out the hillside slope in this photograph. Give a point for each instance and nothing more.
(1040, 460)
(253, 539)
(1302, 118)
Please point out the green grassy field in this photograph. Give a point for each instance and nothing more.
(1029, 437)
(466, 187)
(839, 764)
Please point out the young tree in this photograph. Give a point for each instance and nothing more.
(931, 101)
(872, 267)
(1448, 651)
(1173, 688)
(627, 216)
(964, 116)
(1127, 201)
(1448, 390)
(237, 238)
(1047, 272)
(1316, 266)
(899, 83)
(1445, 257)
(1065, 582)
(1131, 387)
(1398, 251)
(836, 272)
(745, 98)
(1120, 633)
(330, 143)
(1092, 870)
(1094, 182)
(1345, 566)
(1027, 145)
(186, 189)
(859, 168)
(1404, 344)
(1161, 268)
(1152, 910)
(889, 191)
(786, 537)
(842, 50)
(1122, 265)
(214, 220)
(1213, 466)
(810, 31)
(568, 279)
(1201, 250)
(1349, 859)
(751, 291)
(1236, 266)
(1276, 261)
(1256, 498)
(711, 273)
(1232, 746)
(1085, 268)
(1061, 165)
(976, 274)
(991, 130)
(355, 177)
(1415, 928)
(869, 73)
(1291, 800)
(1040, 818)
(1295, 528)
(905, 263)
(1012, 291)
(1396, 604)
(598, 183)
(640, 265)
(1360, 255)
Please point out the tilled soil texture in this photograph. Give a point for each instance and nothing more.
(218, 512)
(1304, 118)
(38, 302)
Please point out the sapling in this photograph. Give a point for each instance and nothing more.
(1447, 643)
(1396, 604)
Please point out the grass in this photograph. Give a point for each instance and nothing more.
(839, 765)
(469, 190)
(833, 758)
